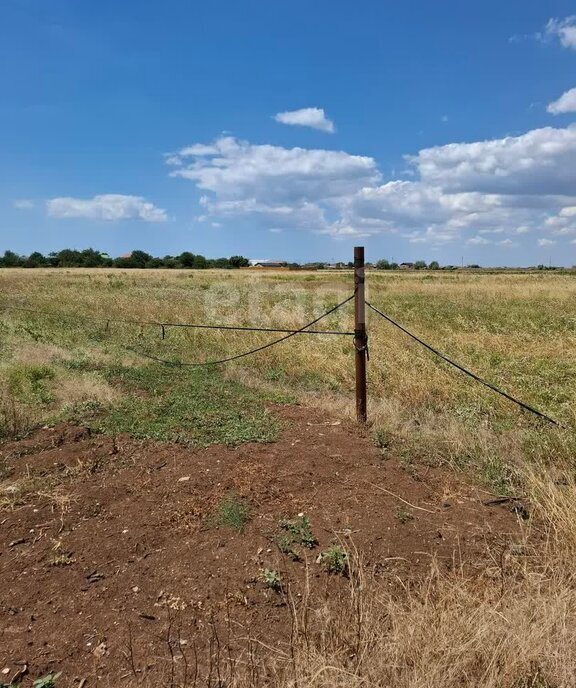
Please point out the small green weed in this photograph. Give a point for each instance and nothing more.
(294, 533)
(232, 512)
(280, 397)
(404, 516)
(271, 579)
(275, 375)
(335, 560)
(408, 463)
(300, 530)
(48, 681)
(77, 364)
(286, 546)
(382, 439)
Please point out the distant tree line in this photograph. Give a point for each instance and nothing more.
(89, 258)
(418, 265)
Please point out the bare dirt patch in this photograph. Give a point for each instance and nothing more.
(111, 570)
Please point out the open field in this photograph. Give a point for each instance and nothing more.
(515, 330)
(496, 605)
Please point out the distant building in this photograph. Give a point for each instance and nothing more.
(268, 263)
(406, 266)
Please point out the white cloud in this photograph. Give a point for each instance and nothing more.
(198, 149)
(23, 204)
(294, 186)
(472, 192)
(564, 30)
(109, 207)
(538, 162)
(566, 103)
(307, 117)
(564, 222)
(479, 241)
(238, 170)
(546, 242)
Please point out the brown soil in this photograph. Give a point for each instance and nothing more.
(140, 572)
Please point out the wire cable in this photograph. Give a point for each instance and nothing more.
(163, 325)
(245, 353)
(464, 370)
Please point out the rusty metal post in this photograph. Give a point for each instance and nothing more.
(360, 336)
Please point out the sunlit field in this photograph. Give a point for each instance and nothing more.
(516, 331)
(76, 362)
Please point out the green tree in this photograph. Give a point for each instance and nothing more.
(68, 258)
(89, 258)
(169, 262)
(239, 262)
(137, 259)
(140, 258)
(434, 265)
(11, 259)
(200, 263)
(186, 259)
(218, 263)
(35, 260)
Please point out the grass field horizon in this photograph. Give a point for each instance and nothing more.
(515, 330)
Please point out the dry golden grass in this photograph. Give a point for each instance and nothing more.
(72, 390)
(513, 631)
(39, 354)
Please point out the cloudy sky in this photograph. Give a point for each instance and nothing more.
(436, 130)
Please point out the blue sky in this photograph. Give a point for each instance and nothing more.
(435, 130)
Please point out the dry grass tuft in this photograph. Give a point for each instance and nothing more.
(447, 633)
(71, 390)
(40, 354)
(14, 418)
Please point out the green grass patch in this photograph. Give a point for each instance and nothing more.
(29, 383)
(232, 512)
(190, 405)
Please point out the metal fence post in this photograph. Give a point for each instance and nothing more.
(360, 336)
